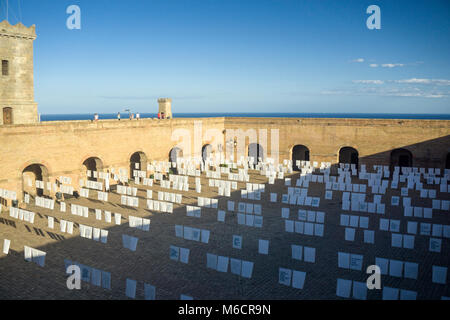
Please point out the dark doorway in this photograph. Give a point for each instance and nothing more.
(349, 155)
(7, 115)
(31, 174)
(140, 159)
(174, 154)
(401, 158)
(404, 161)
(256, 151)
(299, 153)
(206, 152)
(93, 164)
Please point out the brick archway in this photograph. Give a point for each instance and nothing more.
(299, 153)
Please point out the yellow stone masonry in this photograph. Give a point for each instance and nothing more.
(63, 146)
(16, 87)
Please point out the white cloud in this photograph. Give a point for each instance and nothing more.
(392, 65)
(388, 92)
(373, 65)
(358, 60)
(415, 94)
(414, 80)
(369, 81)
(442, 82)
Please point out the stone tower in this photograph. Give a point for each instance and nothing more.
(17, 105)
(165, 105)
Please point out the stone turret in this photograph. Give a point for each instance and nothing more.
(17, 105)
(165, 105)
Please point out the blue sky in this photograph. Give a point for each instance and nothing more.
(240, 55)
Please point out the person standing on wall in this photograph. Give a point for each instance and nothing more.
(118, 116)
(138, 116)
(96, 117)
(159, 115)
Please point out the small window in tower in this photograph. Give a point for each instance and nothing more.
(5, 65)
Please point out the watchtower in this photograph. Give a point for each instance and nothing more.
(17, 105)
(165, 105)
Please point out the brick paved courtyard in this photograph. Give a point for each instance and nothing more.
(151, 263)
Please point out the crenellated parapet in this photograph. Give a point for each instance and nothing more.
(17, 31)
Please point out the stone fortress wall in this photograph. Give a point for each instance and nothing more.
(62, 147)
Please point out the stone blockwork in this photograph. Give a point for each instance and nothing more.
(374, 139)
(62, 147)
(16, 86)
(165, 106)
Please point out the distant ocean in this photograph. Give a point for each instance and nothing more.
(124, 115)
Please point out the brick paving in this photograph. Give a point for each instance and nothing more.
(150, 263)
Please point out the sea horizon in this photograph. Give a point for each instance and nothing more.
(125, 115)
